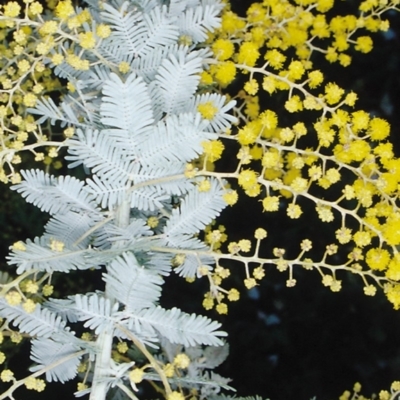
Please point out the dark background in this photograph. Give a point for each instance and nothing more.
(285, 343)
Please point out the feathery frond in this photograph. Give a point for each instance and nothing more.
(196, 210)
(161, 30)
(100, 152)
(41, 322)
(107, 194)
(64, 113)
(134, 133)
(148, 198)
(70, 227)
(119, 109)
(131, 284)
(46, 352)
(197, 21)
(97, 311)
(177, 139)
(127, 33)
(177, 326)
(178, 78)
(39, 256)
(55, 195)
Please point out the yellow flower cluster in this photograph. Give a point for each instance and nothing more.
(217, 296)
(382, 395)
(215, 237)
(35, 384)
(29, 42)
(181, 361)
(350, 172)
(279, 25)
(213, 149)
(136, 375)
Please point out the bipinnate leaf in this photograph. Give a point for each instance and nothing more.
(131, 284)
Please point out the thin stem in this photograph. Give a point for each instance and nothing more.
(148, 355)
(14, 283)
(93, 229)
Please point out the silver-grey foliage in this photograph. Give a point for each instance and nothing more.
(134, 133)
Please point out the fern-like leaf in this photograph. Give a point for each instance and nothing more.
(135, 231)
(147, 65)
(48, 110)
(41, 322)
(70, 227)
(159, 263)
(47, 352)
(177, 139)
(196, 211)
(107, 193)
(178, 78)
(38, 255)
(191, 263)
(148, 198)
(177, 326)
(161, 30)
(99, 152)
(126, 34)
(197, 21)
(163, 180)
(176, 7)
(97, 311)
(97, 76)
(55, 195)
(132, 115)
(131, 284)
(65, 308)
